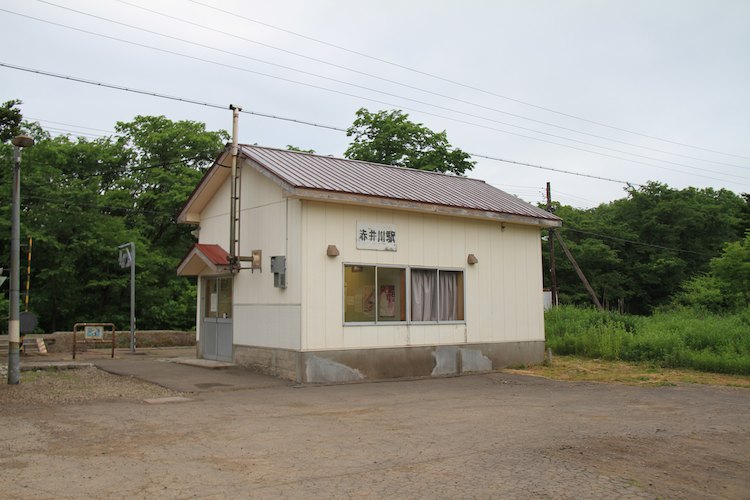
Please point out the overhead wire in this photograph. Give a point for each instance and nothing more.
(559, 170)
(362, 87)
(371, 75)
(164, 96)
(111, 132)
(192, 101)
(640, 243)
(460, 84)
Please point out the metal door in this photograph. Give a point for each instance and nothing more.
(216, 334)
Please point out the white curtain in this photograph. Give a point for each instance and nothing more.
(448, 295)
(424, 295)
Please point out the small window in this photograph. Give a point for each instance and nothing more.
(437, 295)
(218, 298)
(359, 294)
(374, 294)
(391, 299)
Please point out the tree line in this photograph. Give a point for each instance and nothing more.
(657, 246)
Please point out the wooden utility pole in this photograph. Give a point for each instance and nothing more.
(551, 243)
(580, 273)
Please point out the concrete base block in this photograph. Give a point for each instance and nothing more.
(387, 363)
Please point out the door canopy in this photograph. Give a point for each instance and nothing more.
(204, 259)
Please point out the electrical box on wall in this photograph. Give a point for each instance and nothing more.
(278, 268)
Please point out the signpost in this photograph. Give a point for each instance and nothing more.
(93, 333)
(127, 259)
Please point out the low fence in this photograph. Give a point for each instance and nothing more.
(63, 341)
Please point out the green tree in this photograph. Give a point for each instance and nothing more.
(726, 287)
(732, 269)
(82, 198)
(389, 137)
(289, 147)
(168, 160)
(10, 120)
(641, 249)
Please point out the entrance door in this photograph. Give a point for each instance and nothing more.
(216, 335)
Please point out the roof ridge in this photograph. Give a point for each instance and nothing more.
(375, 164)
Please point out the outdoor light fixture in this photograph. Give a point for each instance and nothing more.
(22, 141)
(472, 259)
(332, 251)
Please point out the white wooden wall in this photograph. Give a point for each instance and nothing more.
(503, 291)
(263, 315)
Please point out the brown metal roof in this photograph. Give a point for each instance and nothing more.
(309, 171)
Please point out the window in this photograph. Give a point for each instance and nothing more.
(374, 294)
(437, 295)
(218, 298)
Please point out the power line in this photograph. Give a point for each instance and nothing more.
(339, 129)
(371, 75)
(111, 132)
(68, 132)
(362, 87)
(192, 101)
(464, 85)
(608, 179)
(567, 228)
(163, 96)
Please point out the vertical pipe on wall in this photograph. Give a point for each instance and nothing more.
(234, 208)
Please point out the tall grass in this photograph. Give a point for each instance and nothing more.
(685, 338)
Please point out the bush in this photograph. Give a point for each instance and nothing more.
(684, 337)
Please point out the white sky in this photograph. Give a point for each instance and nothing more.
(677, 70)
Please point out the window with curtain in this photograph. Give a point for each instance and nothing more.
(378, 294)
(437, 295)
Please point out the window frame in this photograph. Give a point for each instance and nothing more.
(408, 291)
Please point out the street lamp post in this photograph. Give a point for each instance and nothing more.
(14, 324)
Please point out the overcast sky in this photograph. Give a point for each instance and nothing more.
(628, 90)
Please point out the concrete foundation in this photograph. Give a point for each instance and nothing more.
(379, 364)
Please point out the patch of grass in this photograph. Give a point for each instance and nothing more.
(576, 368)
(680, 338)
(34, 375)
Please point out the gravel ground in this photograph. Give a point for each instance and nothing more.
(53, 387)
(486, 436)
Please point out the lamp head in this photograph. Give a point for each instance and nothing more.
(22, 141)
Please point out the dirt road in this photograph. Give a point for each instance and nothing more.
(488, 436)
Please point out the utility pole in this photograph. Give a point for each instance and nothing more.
(14, 323)
(585, 282)
(551, 244)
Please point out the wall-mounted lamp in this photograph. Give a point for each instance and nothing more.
(332, 251)
(472, 259)
(502, 226)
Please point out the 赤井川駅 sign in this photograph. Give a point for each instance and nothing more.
(372, 236)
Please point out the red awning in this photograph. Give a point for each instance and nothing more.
(204, 258)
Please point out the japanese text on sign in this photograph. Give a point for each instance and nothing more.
(376, 236)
